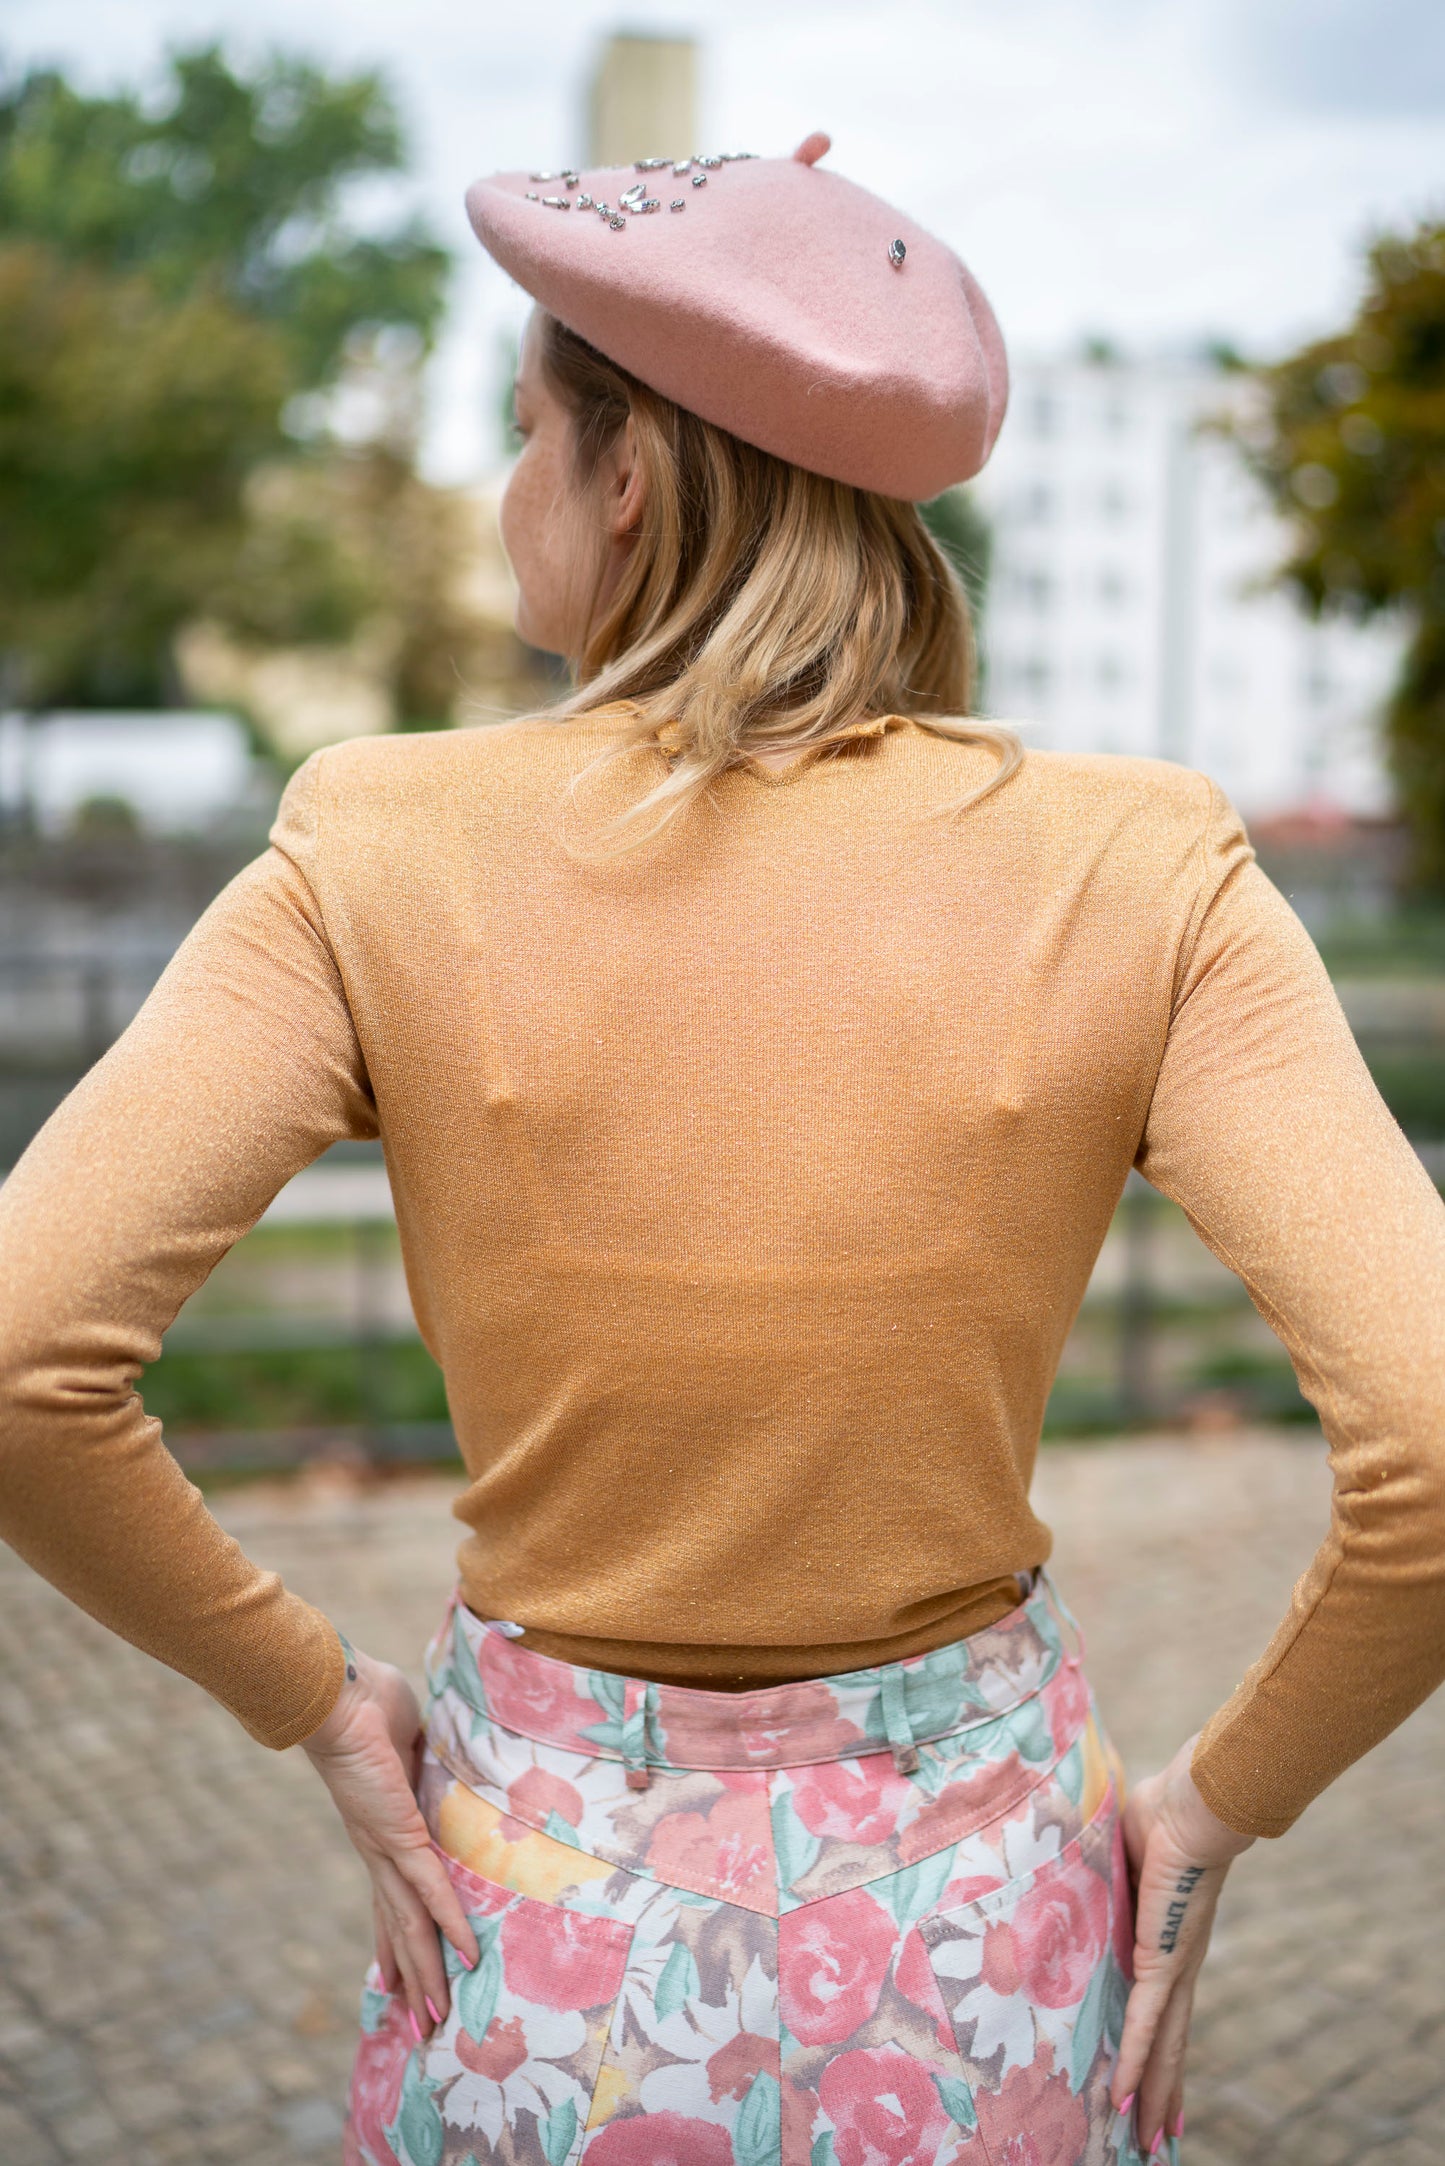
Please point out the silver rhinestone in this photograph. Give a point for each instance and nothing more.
(649, 165)
(632, 195)
(681, 167)
(544, 176)
(571, 178)
(699, 180)
(584, 203)
(616, 223)
(532, 196)
(896, 253)
(602, 209)
(652, 203)
(679, 203)
(558, 203)
(711, 163)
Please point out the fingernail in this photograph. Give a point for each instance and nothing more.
(416, 2027)
(1179, 2126)
(1126, 2103)
(434, 2013)
(1157, 2145)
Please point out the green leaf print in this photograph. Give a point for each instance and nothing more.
(796, 1849)
(477, 1990)
(1029, 1732)
(822, 2153)
(608, 1690)
(461, 1676)
(916, 1889)
(1115, 1999)
(679, 1982)
(417, 2135)
(1088, 2028)
(562, 1829)
(373, 2008)
(1069, 1773)
(559, 2132)
(956, 2100)
(758, 2135)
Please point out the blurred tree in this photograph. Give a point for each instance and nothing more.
(962, 532)
(184, 307)
(232, 183)
(127, 426)
(1351, 445)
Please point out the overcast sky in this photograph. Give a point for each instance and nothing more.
(1153, 170)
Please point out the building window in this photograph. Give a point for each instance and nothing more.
(1036, 504)
(1114, 500)
(1113, 586)
(1110, 673)
(1034, 588)
(1034, 676)
(1115, 416)
(1044, 414)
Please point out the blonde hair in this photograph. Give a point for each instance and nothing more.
(761, 608)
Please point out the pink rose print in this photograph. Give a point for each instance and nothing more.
(1060, 1930)
(527, 1693)
(498, 2054)
(967, 1889)
(562, 1958)
(854, 1800)
(376, 2078)
(914, 1977)
(732, 2068)
(884, 2107)
(660, 2139)
(1066, 1703)
(833, 1957)
(726, 1851)
(970, 1801)
(537, 1792)
(1035, 2120)
(813, 1728)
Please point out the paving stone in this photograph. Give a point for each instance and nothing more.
(183, 1926)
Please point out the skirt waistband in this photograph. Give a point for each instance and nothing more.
(891, 1705)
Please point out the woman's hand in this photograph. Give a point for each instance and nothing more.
(1179, 1853)
(368, 1754)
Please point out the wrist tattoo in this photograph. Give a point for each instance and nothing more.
(1184, 1887)
(350, 1653)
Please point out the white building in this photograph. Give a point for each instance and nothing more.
(1126, 607)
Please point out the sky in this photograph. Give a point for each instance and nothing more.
(1154, 171)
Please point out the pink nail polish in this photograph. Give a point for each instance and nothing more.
(415, 2026)
(1179, 2127)
(1126, 2103)
(434, 2013)
(1157, 2145)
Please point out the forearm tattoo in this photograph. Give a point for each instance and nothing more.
(1184, 1887)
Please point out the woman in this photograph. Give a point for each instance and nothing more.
(759, 1051)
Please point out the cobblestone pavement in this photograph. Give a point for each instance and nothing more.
(185, 1926)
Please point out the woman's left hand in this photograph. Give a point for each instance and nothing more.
(368, 1754)
(1179, 1852)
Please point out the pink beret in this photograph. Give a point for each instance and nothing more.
(774, 299)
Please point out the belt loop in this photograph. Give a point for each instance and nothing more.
(895, 1718)
(1046, 1581)
(639, 1710)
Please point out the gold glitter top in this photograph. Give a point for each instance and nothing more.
(747, 1191)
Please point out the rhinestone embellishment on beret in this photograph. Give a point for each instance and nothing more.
(634, 201)
(896, 253)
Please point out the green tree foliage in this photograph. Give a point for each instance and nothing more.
(1352, 448)
(180, 291)
(234, 183)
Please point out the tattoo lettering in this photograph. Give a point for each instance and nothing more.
(1184, 1887)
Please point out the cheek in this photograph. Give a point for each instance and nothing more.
(535, 536)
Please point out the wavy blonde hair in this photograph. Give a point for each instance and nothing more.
(762, 607)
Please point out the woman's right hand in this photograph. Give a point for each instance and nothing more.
(367, 1753)
(1179, 1852)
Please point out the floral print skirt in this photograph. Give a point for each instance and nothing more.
(874, 1919)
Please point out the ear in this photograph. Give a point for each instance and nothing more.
(627, 493)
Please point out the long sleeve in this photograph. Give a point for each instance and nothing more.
(1266, 1127)
(241, 1067)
